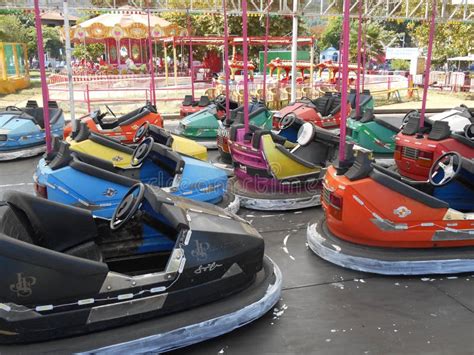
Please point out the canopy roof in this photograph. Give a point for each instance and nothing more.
(467, 58)
(132, 24)
(234, 40)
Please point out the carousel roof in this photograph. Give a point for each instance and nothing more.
(123, 24)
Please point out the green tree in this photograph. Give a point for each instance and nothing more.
(375, 38)
(451, 39)
(51, 40)
(89, 51)
(400, 64)
(11, 29)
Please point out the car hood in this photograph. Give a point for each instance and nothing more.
(202, 119)
(13, 124)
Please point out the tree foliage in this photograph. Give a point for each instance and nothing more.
(90, 51)
(376, 36)
(451, 39)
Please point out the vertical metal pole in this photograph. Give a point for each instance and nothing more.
(44, 84)
(150, 51)
(226, 60)
(245, 63)
(175, 64)
(359, 58)
(428, 64)
(344, 78)
(294, 51)
(311, 68)
(69, 67)
(265, 51)
(191, 65)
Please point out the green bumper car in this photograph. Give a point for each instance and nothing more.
(370, 132)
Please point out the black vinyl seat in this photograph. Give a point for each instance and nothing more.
(49, 224)
(126, 119)
(204, 101)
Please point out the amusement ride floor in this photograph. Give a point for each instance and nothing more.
(326, 309)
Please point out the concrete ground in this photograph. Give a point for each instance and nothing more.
(325, 309)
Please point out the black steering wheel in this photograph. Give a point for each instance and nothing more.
(445, 169)
(141, 151)
(408, 116)
(12, 108)
(220, 101)
(110, 110)
(129, 205)
(469, 131)
(141, 132)
(287, 120)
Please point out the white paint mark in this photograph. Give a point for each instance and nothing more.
(19, 184)
(425, 279)
(452, 277)
(221, 351)
(298, 212)
(328, 340)
(286, 240)
(338, 285)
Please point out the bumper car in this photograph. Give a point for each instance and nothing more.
(420, 228)
(416, 149)
(323, 111)
(69, 273)
(259, 116)
(190, 106)
(273, 173)
(368, 131)
(74, 177)
(203, 125)
(120, 128)
(82, 141)
(22, 132)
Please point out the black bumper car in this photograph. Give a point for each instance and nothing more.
(79, 283)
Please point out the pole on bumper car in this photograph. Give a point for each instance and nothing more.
(150, 51)
(265, 50)
(359, 58)
(44, 84)
(426, 83)
(344, 78)
(245, 62)
(191, 65)
(226, 60)
(294, 51)
(69, 67)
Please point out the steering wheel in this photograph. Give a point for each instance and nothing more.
(141, 132)
(141, 151)
(469, 131)
(445, 169)
(407, 117)
(287, 120)
(220, 101)
(110, 110)
(12, 108)
(129, 205)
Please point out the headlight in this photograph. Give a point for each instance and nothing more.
(3, 137)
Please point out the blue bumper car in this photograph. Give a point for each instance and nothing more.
(22, 131)
(82, 180)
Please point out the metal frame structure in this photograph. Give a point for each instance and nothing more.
(374, 9)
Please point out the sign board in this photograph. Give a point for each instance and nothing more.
(401, 53)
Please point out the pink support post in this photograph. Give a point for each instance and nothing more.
(359, 57)
(44, 84)
(340, 60)
(428, 64)
(226, 61)
(265, 53)
(245, 62)
(364, 60)
(345, 78)
(191, 65)
(152, 67)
